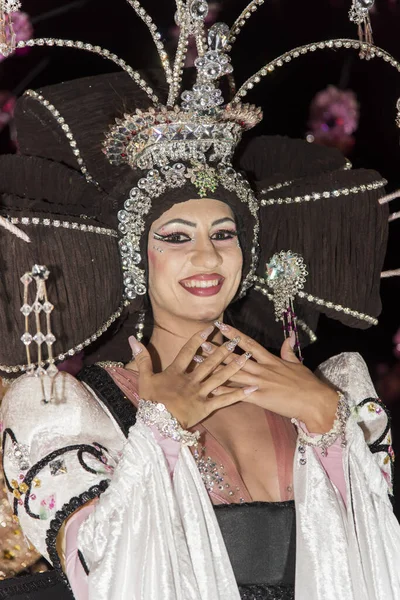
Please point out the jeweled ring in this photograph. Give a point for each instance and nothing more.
(198, 359)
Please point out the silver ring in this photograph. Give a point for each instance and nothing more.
(198, 359)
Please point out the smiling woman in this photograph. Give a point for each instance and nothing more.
(199, 271)
(200, 466)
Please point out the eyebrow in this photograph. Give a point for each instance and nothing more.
(190, 224)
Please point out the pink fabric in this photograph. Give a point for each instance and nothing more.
(333, 465)
(73, 567)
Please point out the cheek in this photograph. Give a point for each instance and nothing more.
(155, 260)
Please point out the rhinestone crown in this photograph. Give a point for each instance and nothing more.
(200, 126)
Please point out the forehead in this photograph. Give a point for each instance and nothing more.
(198, 210)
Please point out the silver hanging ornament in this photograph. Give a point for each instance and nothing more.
(285, 276)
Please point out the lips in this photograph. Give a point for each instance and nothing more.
(203, 285)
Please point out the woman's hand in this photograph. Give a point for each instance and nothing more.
(187, 395)
(285, 386)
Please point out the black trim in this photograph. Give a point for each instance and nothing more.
(266, 592)
(63, 514)
(35, 470)
(28, 586)
(83, 562)
(110, 395)
(377, 446)
(7, 432)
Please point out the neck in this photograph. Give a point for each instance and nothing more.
(171, 334)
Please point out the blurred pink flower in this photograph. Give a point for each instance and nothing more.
(333, 118)
(22, 28)
(396, 342)
(7, 105)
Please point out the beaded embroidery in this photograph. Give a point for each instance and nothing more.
(213, 474)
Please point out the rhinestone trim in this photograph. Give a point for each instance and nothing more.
(132, 217)
(63, 224)
(241, 21)
(95, 50)
(285, 58)
(326, 194)
(321, 302)
(67, 132)
(277, 186)
(75, 349)
(147, 20)
(180, 58)
(300, 322)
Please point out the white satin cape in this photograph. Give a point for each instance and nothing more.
(153, 538)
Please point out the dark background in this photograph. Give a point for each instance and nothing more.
(285, 96)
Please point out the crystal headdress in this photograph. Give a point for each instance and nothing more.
(190, 136)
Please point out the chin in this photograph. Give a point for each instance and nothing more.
(203, 309)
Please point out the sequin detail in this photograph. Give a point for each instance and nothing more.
(266, 592)
(211, 473)
(19, 456)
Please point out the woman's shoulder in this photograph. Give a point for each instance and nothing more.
(60, 448)
(61, 405)
(348, 372)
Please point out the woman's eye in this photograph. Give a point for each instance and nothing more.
(224, 235)
(173, 238)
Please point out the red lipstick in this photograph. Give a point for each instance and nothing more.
(203, 285)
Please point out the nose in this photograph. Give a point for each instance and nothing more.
(205, 255)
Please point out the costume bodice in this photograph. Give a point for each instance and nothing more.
(219, 472)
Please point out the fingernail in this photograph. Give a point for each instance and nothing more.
(207, 347)
(134, 344)
(241, 360)
(221, 326)
(198, 359)
(292, 339)
(204, 334)
(249, 390)
(231, 345)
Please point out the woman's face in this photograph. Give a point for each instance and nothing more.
(195, 262)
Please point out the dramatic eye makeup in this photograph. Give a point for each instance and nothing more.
(181, 237)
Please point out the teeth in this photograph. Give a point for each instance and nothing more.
(191, 283)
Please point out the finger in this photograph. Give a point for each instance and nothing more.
(242, 379)
(225, 374)
(141, 358)
(214, 360)
(228, 398)
(287, 350)
(246, 343)
(251, 366)
(209, 347)
(187, 352)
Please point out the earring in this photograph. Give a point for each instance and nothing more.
(285, 276)
(140, 326)
(158, 249)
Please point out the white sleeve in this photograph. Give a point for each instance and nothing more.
(57, 455)
(349, 553)
(150, 537)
